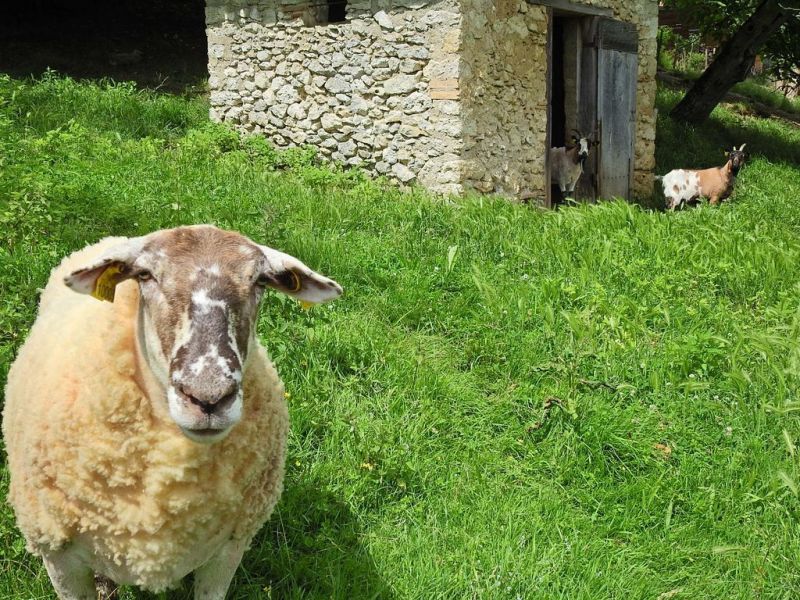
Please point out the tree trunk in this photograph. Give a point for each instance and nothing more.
(732, 64)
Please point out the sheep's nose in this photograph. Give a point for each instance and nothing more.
(213, 400)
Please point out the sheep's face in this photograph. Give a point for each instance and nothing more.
(200, 288)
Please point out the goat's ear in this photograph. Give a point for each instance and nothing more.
(100, 278)
(575, 139)
(287, 274)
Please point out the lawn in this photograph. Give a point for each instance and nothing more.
(595, 402)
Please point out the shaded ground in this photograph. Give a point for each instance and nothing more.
(759, 109)
(156, 44)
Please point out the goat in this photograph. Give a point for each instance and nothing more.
(566, 163)
(685, 185)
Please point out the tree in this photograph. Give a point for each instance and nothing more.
(771, 24)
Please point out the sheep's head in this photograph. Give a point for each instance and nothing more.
(200, 288)
(736, 157)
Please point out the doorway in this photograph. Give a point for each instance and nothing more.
(593, 68)
(565, 88)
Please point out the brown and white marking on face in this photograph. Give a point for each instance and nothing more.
(200, 288)
(566, 162)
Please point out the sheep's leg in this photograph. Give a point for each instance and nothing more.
(211, 581)
(70, 575)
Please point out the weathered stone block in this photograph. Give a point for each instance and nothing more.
(330, 122)
(400, 84)
(403, 173)
(384, 20)
(337, 85)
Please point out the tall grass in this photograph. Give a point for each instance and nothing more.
(591, 403)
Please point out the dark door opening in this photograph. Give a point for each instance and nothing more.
(558, 115)
(337, 11)
(565, 89)
(153, 43)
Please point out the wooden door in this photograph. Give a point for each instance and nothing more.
(617, 70)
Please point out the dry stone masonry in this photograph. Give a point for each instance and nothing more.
(448, 93)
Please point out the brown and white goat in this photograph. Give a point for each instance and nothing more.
(566, 162)
(686, 185)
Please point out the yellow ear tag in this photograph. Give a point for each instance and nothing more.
(305, 305)
(107, 282)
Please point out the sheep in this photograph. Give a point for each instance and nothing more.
(566, 163)
(684, 185)
(146, 436)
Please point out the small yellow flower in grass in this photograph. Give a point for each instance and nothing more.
(287, 395)
(305, 305)
(367, 466)
(297, 463)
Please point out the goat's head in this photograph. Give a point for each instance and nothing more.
(736, 157)
(200, 288)
(583, 143)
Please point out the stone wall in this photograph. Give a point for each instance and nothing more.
(448, 93)
(379, 90)
(504, 92)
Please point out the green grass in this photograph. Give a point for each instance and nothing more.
(598, 402)
(767, 96)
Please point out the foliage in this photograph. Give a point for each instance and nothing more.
(678, 52)
(718, 20)
(598, 402)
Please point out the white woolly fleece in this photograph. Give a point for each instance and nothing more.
(95, 461)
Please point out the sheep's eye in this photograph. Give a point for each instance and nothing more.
(144, 276)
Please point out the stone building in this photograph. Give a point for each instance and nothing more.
(456, 95)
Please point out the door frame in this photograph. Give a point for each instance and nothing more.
(587, 118)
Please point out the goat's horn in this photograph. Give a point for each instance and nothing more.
(580, 135)
(742, 148)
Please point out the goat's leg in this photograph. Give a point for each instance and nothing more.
(212, 580)
(714, 200)
(70, 575)
(570, 193)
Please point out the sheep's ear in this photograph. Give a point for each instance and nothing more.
(100, 278)
(288, 275)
